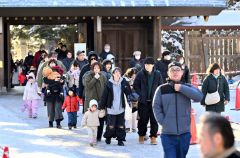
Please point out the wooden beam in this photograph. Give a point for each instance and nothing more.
(110, 11)
(157, 42)
(187, 51)
(82, 32)
(1, 56)
(98, 34)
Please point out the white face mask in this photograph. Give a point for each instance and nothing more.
(107, 50)
(167, 57)
(181, 61)
(137, 57)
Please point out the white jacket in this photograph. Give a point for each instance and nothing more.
(91, 119)
(30, 91)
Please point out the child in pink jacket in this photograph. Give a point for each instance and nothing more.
(31, 97)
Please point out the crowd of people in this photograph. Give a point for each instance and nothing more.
(158, 92)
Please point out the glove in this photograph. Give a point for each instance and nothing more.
(97, 76)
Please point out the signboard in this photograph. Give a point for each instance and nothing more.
(80, 47)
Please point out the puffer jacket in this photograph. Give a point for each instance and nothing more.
(172, 109)
(71, 103)
(30, 91)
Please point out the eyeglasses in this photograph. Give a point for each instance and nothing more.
(93, 59)
(175, 70)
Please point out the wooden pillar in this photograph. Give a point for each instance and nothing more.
(186, 52)
(157, 42)
(98, 34)
(82, 32)
(2, 88)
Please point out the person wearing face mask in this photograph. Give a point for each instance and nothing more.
(105, 52)
(137, 61)
(186, 73)
(28, 62)
(162, 65)
(215, 81)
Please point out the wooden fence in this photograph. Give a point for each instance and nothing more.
(202, 50)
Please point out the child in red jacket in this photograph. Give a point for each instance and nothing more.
(71, 105)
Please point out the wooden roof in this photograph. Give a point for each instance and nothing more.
(110, 7)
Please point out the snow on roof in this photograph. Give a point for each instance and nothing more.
(225, 18)
(112, 3)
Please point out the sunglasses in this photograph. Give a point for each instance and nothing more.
(93, 59)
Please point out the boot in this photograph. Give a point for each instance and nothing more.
(108, 140)
(141, 139)
(58, 124)
(153, 141)
(50, 124)
(120, 143)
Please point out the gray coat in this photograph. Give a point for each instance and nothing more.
(173, 109)
(93, 87)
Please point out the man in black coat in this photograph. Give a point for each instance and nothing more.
(216, 137)
(145, 84)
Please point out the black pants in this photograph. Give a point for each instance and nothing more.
(115, 127)
(100, 128)
(145, 113)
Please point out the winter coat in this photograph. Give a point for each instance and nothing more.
(107, 96)
(40, 75)
(210, 86)
(71, 104)
(30, 91)
(173, 109)
(137, 64)
(104, 54)
(62, 55)
(73, 77)
(93, 87)
(54, 91)
(81, 64)
(162, 66)
(67, 63)
(37, 58)
(85, 69)
(91, 119)
(140, 85)
(186, 75)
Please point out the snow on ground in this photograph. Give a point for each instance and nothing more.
(29, 138)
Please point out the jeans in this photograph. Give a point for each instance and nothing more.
(72, 118)
(175, 146)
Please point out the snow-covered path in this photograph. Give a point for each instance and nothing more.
(28, 138)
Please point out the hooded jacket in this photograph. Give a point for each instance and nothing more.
(85, 69)
(107, 97)
(31, 89)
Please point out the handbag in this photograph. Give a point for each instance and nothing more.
(212, 98)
